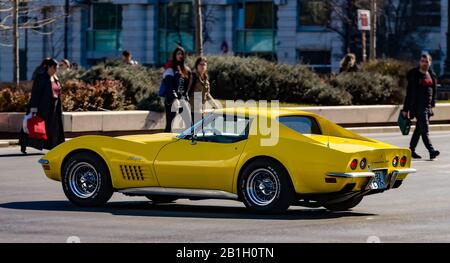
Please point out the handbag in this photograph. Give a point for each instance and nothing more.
(36, 128)
(404, 124)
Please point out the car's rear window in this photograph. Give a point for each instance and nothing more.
(301, 124)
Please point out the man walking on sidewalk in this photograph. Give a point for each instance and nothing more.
(420, 99)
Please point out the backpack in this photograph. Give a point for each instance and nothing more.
(163, 86)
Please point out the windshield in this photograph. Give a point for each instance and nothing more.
(188, 131)
(219, 128)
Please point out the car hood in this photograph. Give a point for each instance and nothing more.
(150, 138)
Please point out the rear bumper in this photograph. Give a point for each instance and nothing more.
(370, 174)
(392, 180)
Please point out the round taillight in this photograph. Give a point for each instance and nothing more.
(363, 163)
(354, 164)
(395, 161)
(403, 161)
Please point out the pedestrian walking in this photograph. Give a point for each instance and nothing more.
(419, 103)
(64, 65)
(200, 90)
(348, 64)
(127, 58)
(46, 103)
(177, 77)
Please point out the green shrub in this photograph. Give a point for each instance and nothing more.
(70, 74)
(366, 88)
(151, 103)
(253, 78)
(397, 69)
(140, 83)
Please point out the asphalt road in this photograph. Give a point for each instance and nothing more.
(34, 209)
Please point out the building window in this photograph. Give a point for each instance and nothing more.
(313, 13)
(176, 27)
(427, 13)
(256, 29)
(317, 60)
(105, 28)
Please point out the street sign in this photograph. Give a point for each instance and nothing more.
(363, 20)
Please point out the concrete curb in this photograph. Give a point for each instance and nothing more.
(8, 143)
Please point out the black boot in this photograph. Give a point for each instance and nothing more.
(434, 154)
(23, 149)
(414, 155)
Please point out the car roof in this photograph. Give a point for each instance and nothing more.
(269, 112)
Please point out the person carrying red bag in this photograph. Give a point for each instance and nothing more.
(45, 128)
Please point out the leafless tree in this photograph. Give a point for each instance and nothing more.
(17, 15)
(395, 25)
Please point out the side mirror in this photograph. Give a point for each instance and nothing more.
(193, 139)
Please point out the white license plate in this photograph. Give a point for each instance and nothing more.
(378, 181)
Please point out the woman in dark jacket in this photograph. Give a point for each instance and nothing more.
(46, 103)
(176, 77)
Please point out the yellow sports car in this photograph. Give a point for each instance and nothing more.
(305, 160)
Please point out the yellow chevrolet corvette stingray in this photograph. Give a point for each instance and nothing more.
(299, 159)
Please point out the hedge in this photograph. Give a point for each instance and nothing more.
(253, 78)
(114, 86)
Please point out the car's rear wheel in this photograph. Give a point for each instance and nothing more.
(161, 199)
(265, 187)
(86, 180)
(345, 205)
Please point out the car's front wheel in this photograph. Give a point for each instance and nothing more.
(265, 187)
(344, 205)
(86, 180)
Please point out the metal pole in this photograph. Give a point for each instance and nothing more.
(373, 30)
(66, 29)
(16, 69)
(364, 48)
(198, 27)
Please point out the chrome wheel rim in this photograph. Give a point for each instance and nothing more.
(262, 187)
(83, 180)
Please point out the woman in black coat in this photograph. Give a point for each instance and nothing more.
(46, 103)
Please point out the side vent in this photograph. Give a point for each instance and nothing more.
(132, 172)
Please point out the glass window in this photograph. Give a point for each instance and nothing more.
(219, 128)
(105, 28)
(176, 26)
(301, 124)
(427, 13)
(318, 60)
(259, 15)
(313, 13)
(256, 29)
(107, 16)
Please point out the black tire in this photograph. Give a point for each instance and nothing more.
(267, 174)
(157, 199)
(345, 205)
(86, 167)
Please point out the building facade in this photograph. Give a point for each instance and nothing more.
(287, 31)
